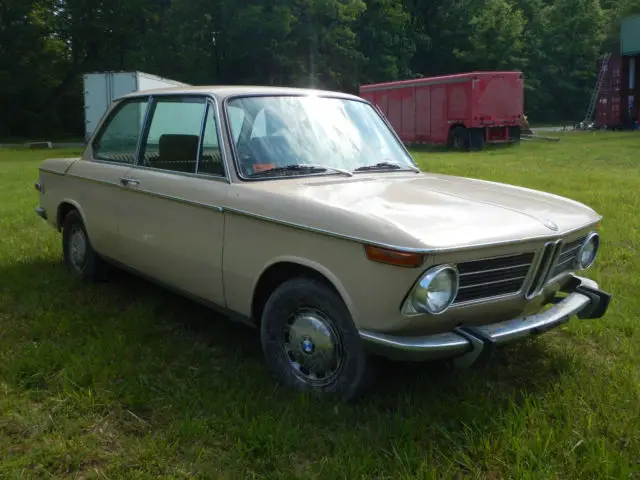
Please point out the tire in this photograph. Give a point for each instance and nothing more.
(459, 138)
(476, 139)
(79, 256)
(301, 316)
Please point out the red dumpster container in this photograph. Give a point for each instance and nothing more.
(619, 98)
(462, 110)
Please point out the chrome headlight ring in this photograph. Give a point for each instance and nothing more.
(588, 251)
(434, 292)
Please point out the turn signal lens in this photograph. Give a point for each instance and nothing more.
(393, 257)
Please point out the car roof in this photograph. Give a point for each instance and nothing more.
(223, 91)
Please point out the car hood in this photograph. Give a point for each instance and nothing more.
(418, 210)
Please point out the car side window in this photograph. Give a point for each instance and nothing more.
(259, 125)
(210, 162)
(173, 138)
(236, 120)
(117, 140)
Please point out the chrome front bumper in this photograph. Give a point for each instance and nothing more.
(469, 344)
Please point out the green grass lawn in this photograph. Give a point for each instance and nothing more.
(124, 380)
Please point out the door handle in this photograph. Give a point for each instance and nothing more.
(129, 181)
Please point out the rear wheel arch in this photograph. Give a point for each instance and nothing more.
(282, 270)
(458, 130)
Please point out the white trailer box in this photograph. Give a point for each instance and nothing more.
(100, 89)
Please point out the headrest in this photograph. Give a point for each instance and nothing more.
(178, 147)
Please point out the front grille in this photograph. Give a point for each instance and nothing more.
(492, 277)
(567, 258)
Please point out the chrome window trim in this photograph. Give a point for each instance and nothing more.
(234, 152)
(214, 104)
(203, 176)
(144, 134)
(209, 100)
(203, 121)
(113, 110)
(144, 129)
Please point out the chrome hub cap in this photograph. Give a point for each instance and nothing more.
(77, 247)
(312, 346)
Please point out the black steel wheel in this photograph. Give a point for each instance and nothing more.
(78, 254)
(310, 342)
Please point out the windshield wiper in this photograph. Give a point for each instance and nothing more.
(387, 166)
(302, 167)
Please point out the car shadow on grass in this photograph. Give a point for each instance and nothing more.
(139, 348)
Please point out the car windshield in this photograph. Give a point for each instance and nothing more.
(311, 135)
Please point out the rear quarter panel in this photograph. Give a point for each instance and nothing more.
(52, 175)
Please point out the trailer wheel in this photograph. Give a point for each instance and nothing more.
(476, 139)
(459, 138)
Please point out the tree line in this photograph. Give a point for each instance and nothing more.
(47, 45)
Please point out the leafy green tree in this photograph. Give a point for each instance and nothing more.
(386, 41)
(496, 38)
(572, 44)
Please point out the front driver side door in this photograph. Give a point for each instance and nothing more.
(172, 229)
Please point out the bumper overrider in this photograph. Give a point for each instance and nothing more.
(471, 344)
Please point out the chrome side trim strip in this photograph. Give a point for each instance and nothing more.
(52, 172)
(321, 231)
(94, 180)
(217, 208)
(399, 247)
(185, 201)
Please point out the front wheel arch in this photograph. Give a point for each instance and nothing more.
(281, 270)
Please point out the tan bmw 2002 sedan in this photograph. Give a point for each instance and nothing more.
(301, 213)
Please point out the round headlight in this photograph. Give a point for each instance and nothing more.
(588, 251)
(436, 290)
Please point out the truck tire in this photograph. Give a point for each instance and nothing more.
(476, 139)
(459, 138)
(514, 134)
(310, 342)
